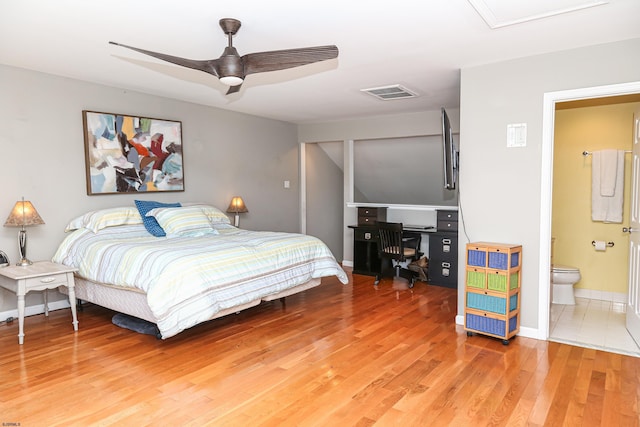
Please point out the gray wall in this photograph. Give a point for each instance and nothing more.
(500, 187)
(225, 154)
(324, 197)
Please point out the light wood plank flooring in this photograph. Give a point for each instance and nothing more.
(335, 355)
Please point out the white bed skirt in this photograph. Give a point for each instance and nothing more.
(134, 302)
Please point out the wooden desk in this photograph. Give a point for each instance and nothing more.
(365, 247)
(443, 249)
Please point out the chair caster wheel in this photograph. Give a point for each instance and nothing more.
(469, 333)
(505, 342)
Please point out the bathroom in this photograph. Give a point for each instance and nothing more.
(598, 317)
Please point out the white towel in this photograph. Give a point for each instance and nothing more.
(607, 208)
(608, 172)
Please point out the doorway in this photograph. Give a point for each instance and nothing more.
(582, 129)
(550, 101)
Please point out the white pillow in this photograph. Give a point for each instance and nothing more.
(112, 217)
(183, 221)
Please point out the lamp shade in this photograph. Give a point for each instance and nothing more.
(23, 214)
(237, 205)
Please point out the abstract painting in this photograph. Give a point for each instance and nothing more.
(131, 154)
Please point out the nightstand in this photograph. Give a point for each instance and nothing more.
(39, 276)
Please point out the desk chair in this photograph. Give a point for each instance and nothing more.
(394, 247)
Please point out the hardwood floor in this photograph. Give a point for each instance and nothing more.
(335, 355)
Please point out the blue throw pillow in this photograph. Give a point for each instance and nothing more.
(150, 222)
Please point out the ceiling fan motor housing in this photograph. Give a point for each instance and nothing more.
(230, 64)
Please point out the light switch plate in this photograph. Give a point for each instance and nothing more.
(517, 135)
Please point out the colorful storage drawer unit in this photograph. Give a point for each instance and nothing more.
(492, 289)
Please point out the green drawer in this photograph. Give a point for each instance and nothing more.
(475, 279)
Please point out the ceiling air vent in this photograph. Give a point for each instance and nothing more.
(390, 92)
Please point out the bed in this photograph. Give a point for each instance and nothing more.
(178, 266)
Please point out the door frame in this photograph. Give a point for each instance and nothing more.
(546, 185)
(632, 320)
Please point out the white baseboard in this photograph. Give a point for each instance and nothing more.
(35, 309)
(601, 295)
(347, 263)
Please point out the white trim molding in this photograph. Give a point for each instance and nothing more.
(548, 126)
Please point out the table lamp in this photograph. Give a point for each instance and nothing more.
(22, 215)
(237, 207)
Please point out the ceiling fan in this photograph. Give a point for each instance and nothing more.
(231, 68)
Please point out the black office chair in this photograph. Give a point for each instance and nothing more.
(394, 247)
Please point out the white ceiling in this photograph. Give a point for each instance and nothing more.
(419, 44)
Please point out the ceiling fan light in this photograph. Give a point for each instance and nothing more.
(231, 80)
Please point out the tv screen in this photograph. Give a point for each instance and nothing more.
(450, 154)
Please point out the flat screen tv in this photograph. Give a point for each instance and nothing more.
(450, 156)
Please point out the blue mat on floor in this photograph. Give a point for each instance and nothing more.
(135, 324)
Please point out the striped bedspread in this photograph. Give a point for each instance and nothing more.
(189, 279)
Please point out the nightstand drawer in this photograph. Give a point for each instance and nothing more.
(46, 282)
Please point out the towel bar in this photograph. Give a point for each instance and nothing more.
(588, 153)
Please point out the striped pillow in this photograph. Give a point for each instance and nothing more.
(184, 221)
(150, 222)
(215, 215)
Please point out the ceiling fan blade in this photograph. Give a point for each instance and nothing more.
(208, 66)
(274, 60)
(233, 89)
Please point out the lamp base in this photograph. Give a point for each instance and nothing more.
(22, 248)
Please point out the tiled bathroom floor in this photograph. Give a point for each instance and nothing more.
(594, 324)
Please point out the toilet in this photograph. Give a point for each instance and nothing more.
(563, 278)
